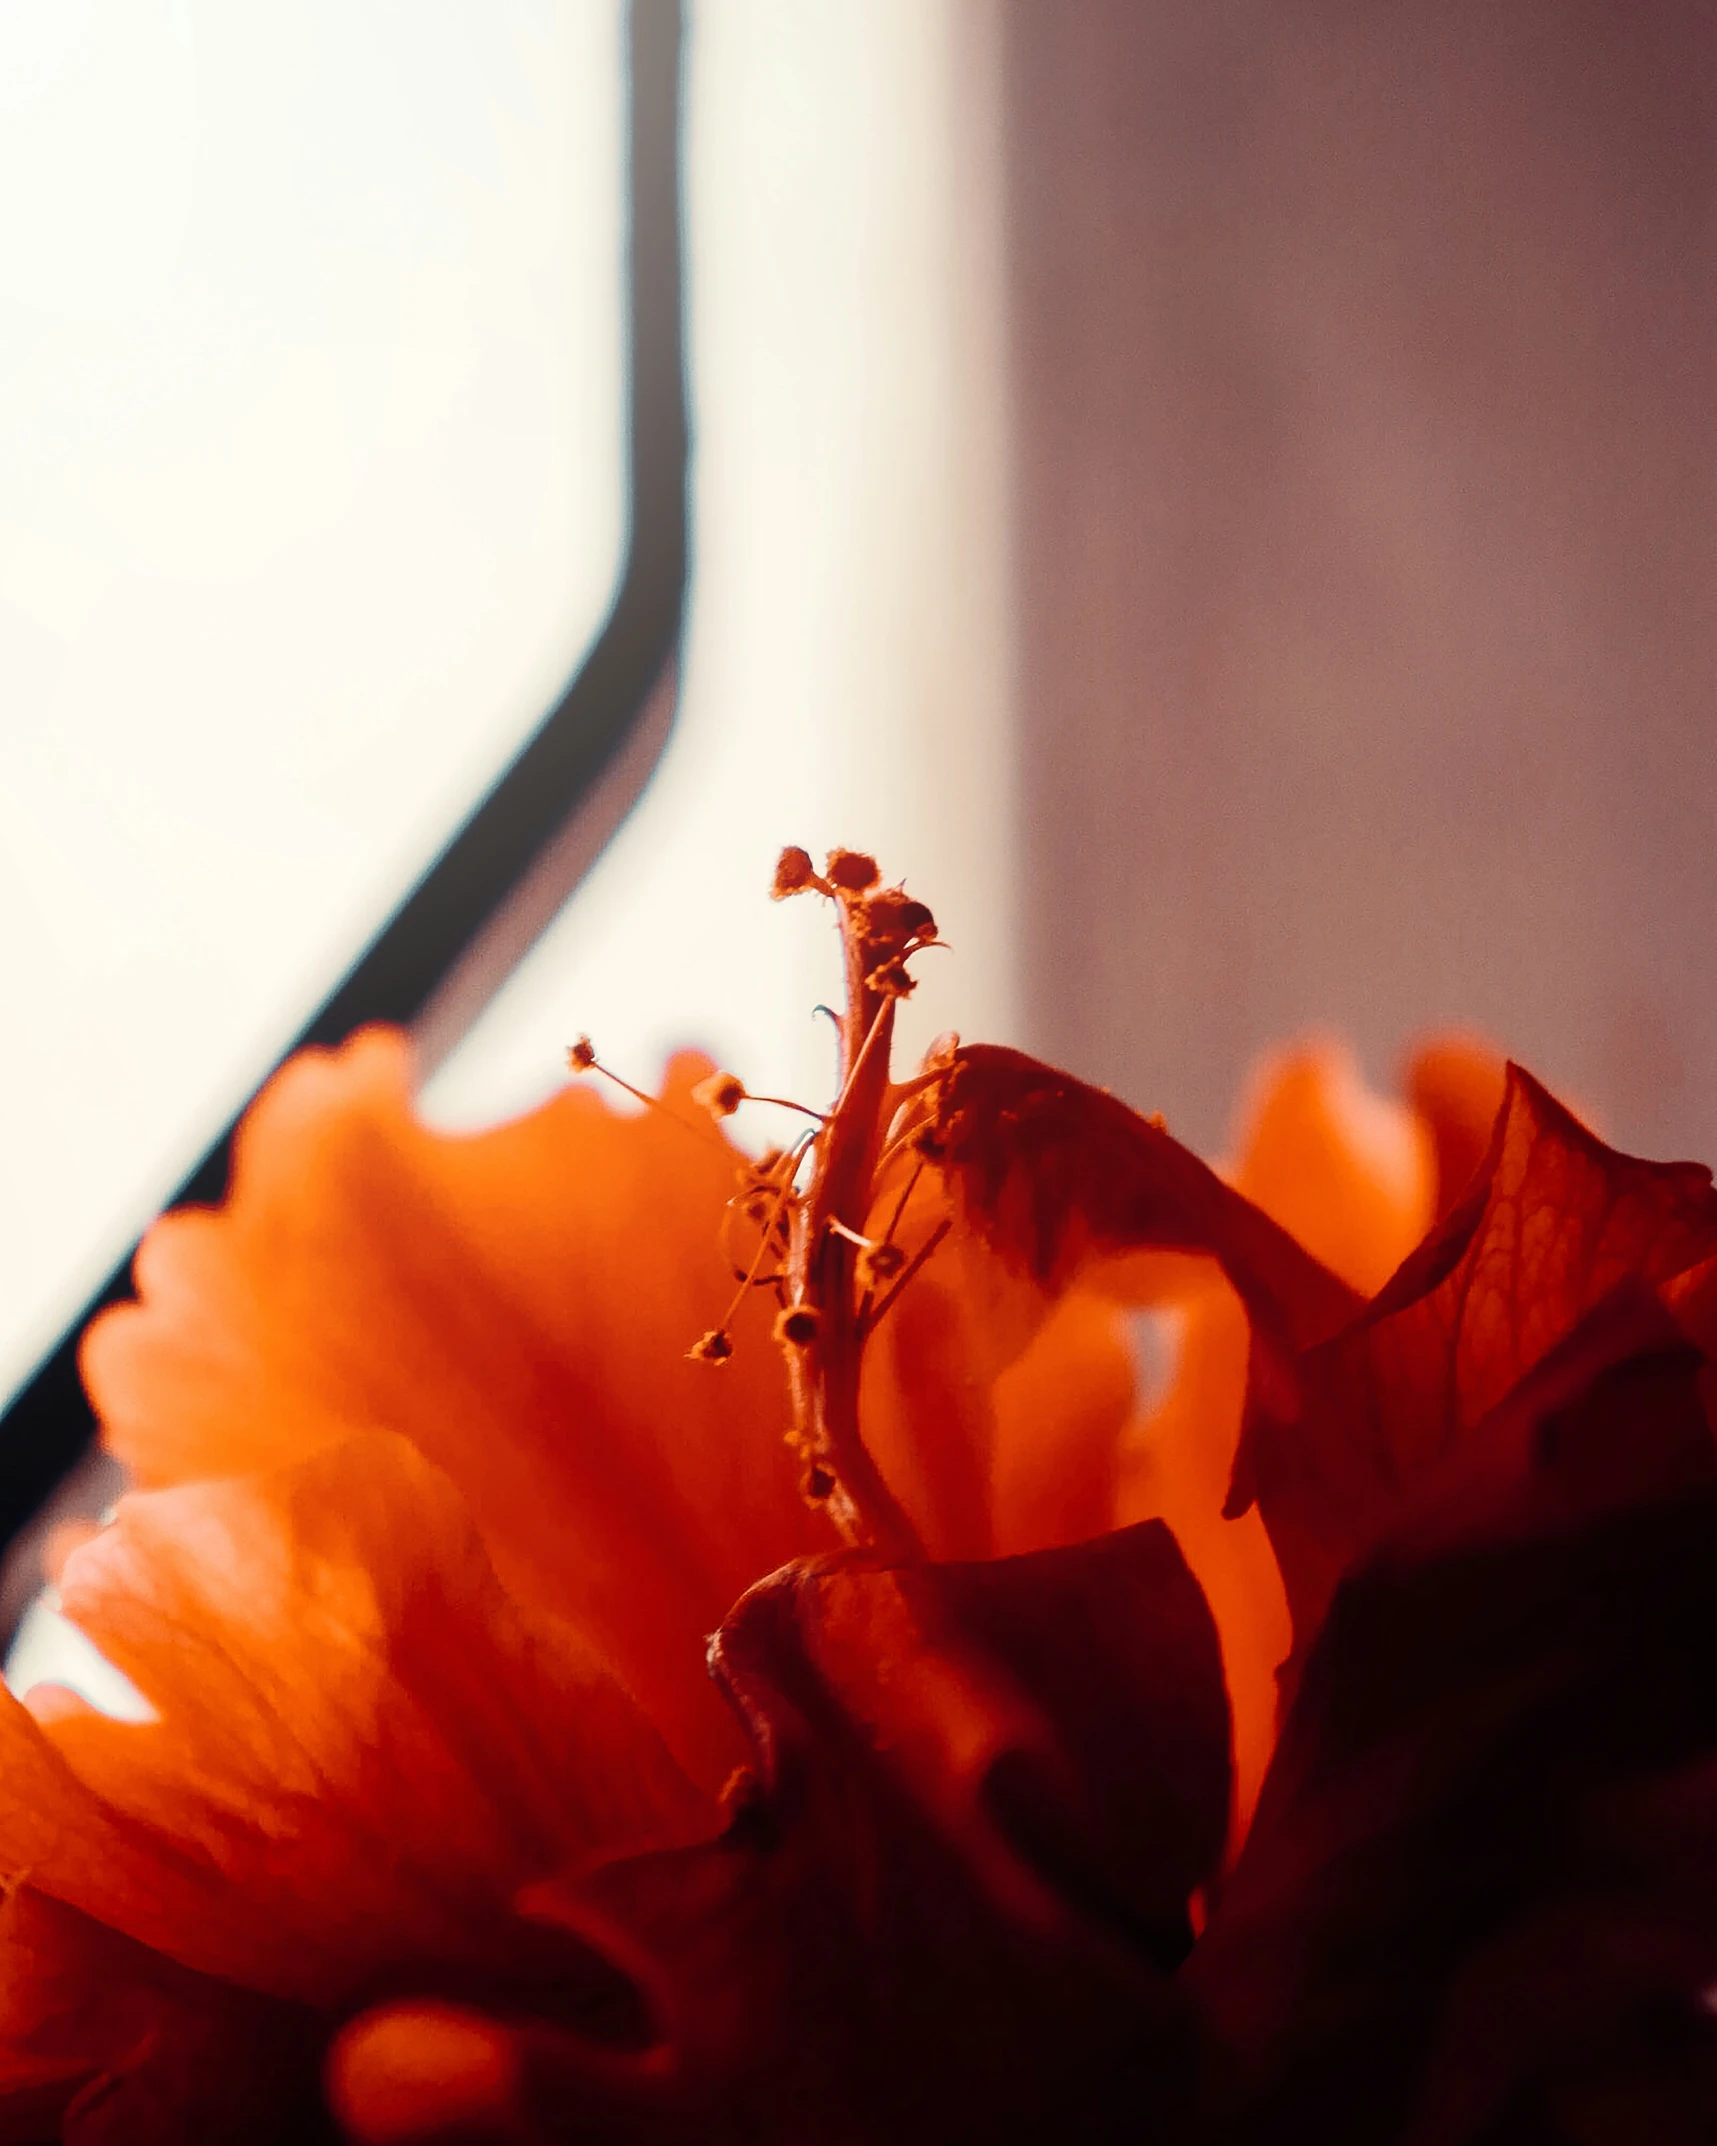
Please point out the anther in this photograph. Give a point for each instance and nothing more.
(797, 1326)
(852, 871)
(879, 1263)
(892, 913)
(794, 872)
(891, 979)
(875, 1317)
(581, 1055)
(721, 1094)
(715, 1347)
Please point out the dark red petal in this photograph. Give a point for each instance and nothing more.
(1553, 1223)
(983, 1794)
(104, 2042)
(1061, 1715)
(1456, 1917)
(1053, 1173)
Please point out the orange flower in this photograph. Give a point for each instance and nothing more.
(438, 1493)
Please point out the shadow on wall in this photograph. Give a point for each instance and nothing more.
(1364, 366)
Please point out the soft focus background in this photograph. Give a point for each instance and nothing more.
(1365, 567)
(1219, 495)
(1224, 496)
(311, 495)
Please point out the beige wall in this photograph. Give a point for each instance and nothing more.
(1363, 377)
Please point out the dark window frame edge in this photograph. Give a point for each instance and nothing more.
(451, 940)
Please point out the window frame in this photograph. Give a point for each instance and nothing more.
(626, 677)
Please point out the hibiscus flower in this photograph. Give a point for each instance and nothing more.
(449, 1453)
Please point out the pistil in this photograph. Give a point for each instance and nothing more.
(835, 1281)
(832, 1265)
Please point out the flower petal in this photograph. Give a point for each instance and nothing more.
(519, 1304)
(1457, 1913)
(996, 1414)
(926, 1396)
(105, 2043)
(1061, 1412)
(1176, 1464)
(422, 2071)
(1347, 1173)
(1456, 1085)
(363, 1747)
(1056, 1175)
(1055, 1196)
(1554, 1221)
(1061, 1712)
(908, 1934)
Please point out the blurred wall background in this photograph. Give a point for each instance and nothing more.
(845, 670)
(1362, 384)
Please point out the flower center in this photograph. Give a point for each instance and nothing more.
(813, 1203)
(838, 1279)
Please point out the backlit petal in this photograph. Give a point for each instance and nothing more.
(363, 1747)
(1455, 1084)
(519, 1304)
(1001, 1432)
(1554, 1222)
(1347, 1173)
(1059, 1177)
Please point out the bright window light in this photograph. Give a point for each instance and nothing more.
(310, 501)
(845, 676)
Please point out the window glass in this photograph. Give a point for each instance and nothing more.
(311, 498)
(845, 675)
